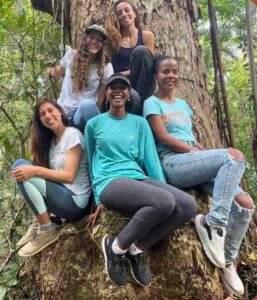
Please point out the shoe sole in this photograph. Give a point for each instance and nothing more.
(229, 287)
(31, 254)
(131, 270)
(206, 249)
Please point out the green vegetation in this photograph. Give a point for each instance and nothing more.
(29, 43)
(231, 25)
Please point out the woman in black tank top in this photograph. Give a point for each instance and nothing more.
(134, 48)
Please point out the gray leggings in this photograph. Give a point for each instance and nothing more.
(158, 209)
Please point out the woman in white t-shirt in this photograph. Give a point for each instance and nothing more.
(85, 71)
(56, 181)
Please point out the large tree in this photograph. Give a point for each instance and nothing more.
(73, 268)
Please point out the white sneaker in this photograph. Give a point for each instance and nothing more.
(213, 240)
(231, 280)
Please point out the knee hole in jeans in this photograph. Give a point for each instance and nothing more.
(237, 154)
(244, 200)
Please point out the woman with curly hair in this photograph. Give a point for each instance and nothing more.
(85, 71)
(56, 180)
(133, 47)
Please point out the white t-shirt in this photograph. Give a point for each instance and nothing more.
(70, 138)
(69, 100)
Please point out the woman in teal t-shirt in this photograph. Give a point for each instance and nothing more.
(186, 164)
(127, 176)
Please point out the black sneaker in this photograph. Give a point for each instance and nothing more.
(115, 264)
(139, 268)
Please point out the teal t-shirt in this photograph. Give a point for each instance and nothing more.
(120, 148)
(176, 118)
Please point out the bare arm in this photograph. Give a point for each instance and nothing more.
(67, 175)
(148, 38)
(164, 138)
(56, 71)
(101, 97)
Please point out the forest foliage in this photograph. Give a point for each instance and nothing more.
(30, 42)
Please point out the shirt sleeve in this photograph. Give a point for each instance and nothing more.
(90, 149)
(108, 71)
(74, 138)
(151, 107)
(67, 58)
(150, 157)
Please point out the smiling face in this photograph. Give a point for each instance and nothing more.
(50, 116)
(167, 74)
(117, 93)
(125, 14)
(94, 41)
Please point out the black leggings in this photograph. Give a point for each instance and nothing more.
(158, 209)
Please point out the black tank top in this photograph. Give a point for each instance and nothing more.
(120, 61)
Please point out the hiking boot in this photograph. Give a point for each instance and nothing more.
(30, 234)
(41, 241)
(213, 240)
(139, 268)
(115, 264)
(231, 280)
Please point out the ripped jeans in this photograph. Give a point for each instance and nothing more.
(222, 174)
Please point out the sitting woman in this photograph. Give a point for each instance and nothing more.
(127, 176)
(134, 48)
(186, 164)
(57, 180)
(85, 71)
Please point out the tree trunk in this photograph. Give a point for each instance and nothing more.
(73, 267)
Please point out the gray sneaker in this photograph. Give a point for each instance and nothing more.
(30, 234)
(41, 241)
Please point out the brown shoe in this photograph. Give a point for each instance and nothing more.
(41, 241)
(30, 234)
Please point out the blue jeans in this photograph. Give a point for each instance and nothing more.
(222, 174)
(86, 110)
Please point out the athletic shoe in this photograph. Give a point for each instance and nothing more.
(139, 268)
(231, 280)
(213, 240)
(115, 264)
(30, 234)
(41, 241)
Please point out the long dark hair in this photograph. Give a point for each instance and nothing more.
(41, 136)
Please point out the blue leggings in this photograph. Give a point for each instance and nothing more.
(41, 195)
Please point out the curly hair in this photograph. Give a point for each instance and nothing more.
(113, 27)
(41, 136)
(81, 64)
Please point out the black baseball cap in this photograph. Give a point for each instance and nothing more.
(120, 77)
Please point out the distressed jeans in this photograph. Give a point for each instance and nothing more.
(222, 174)
(86, 110)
